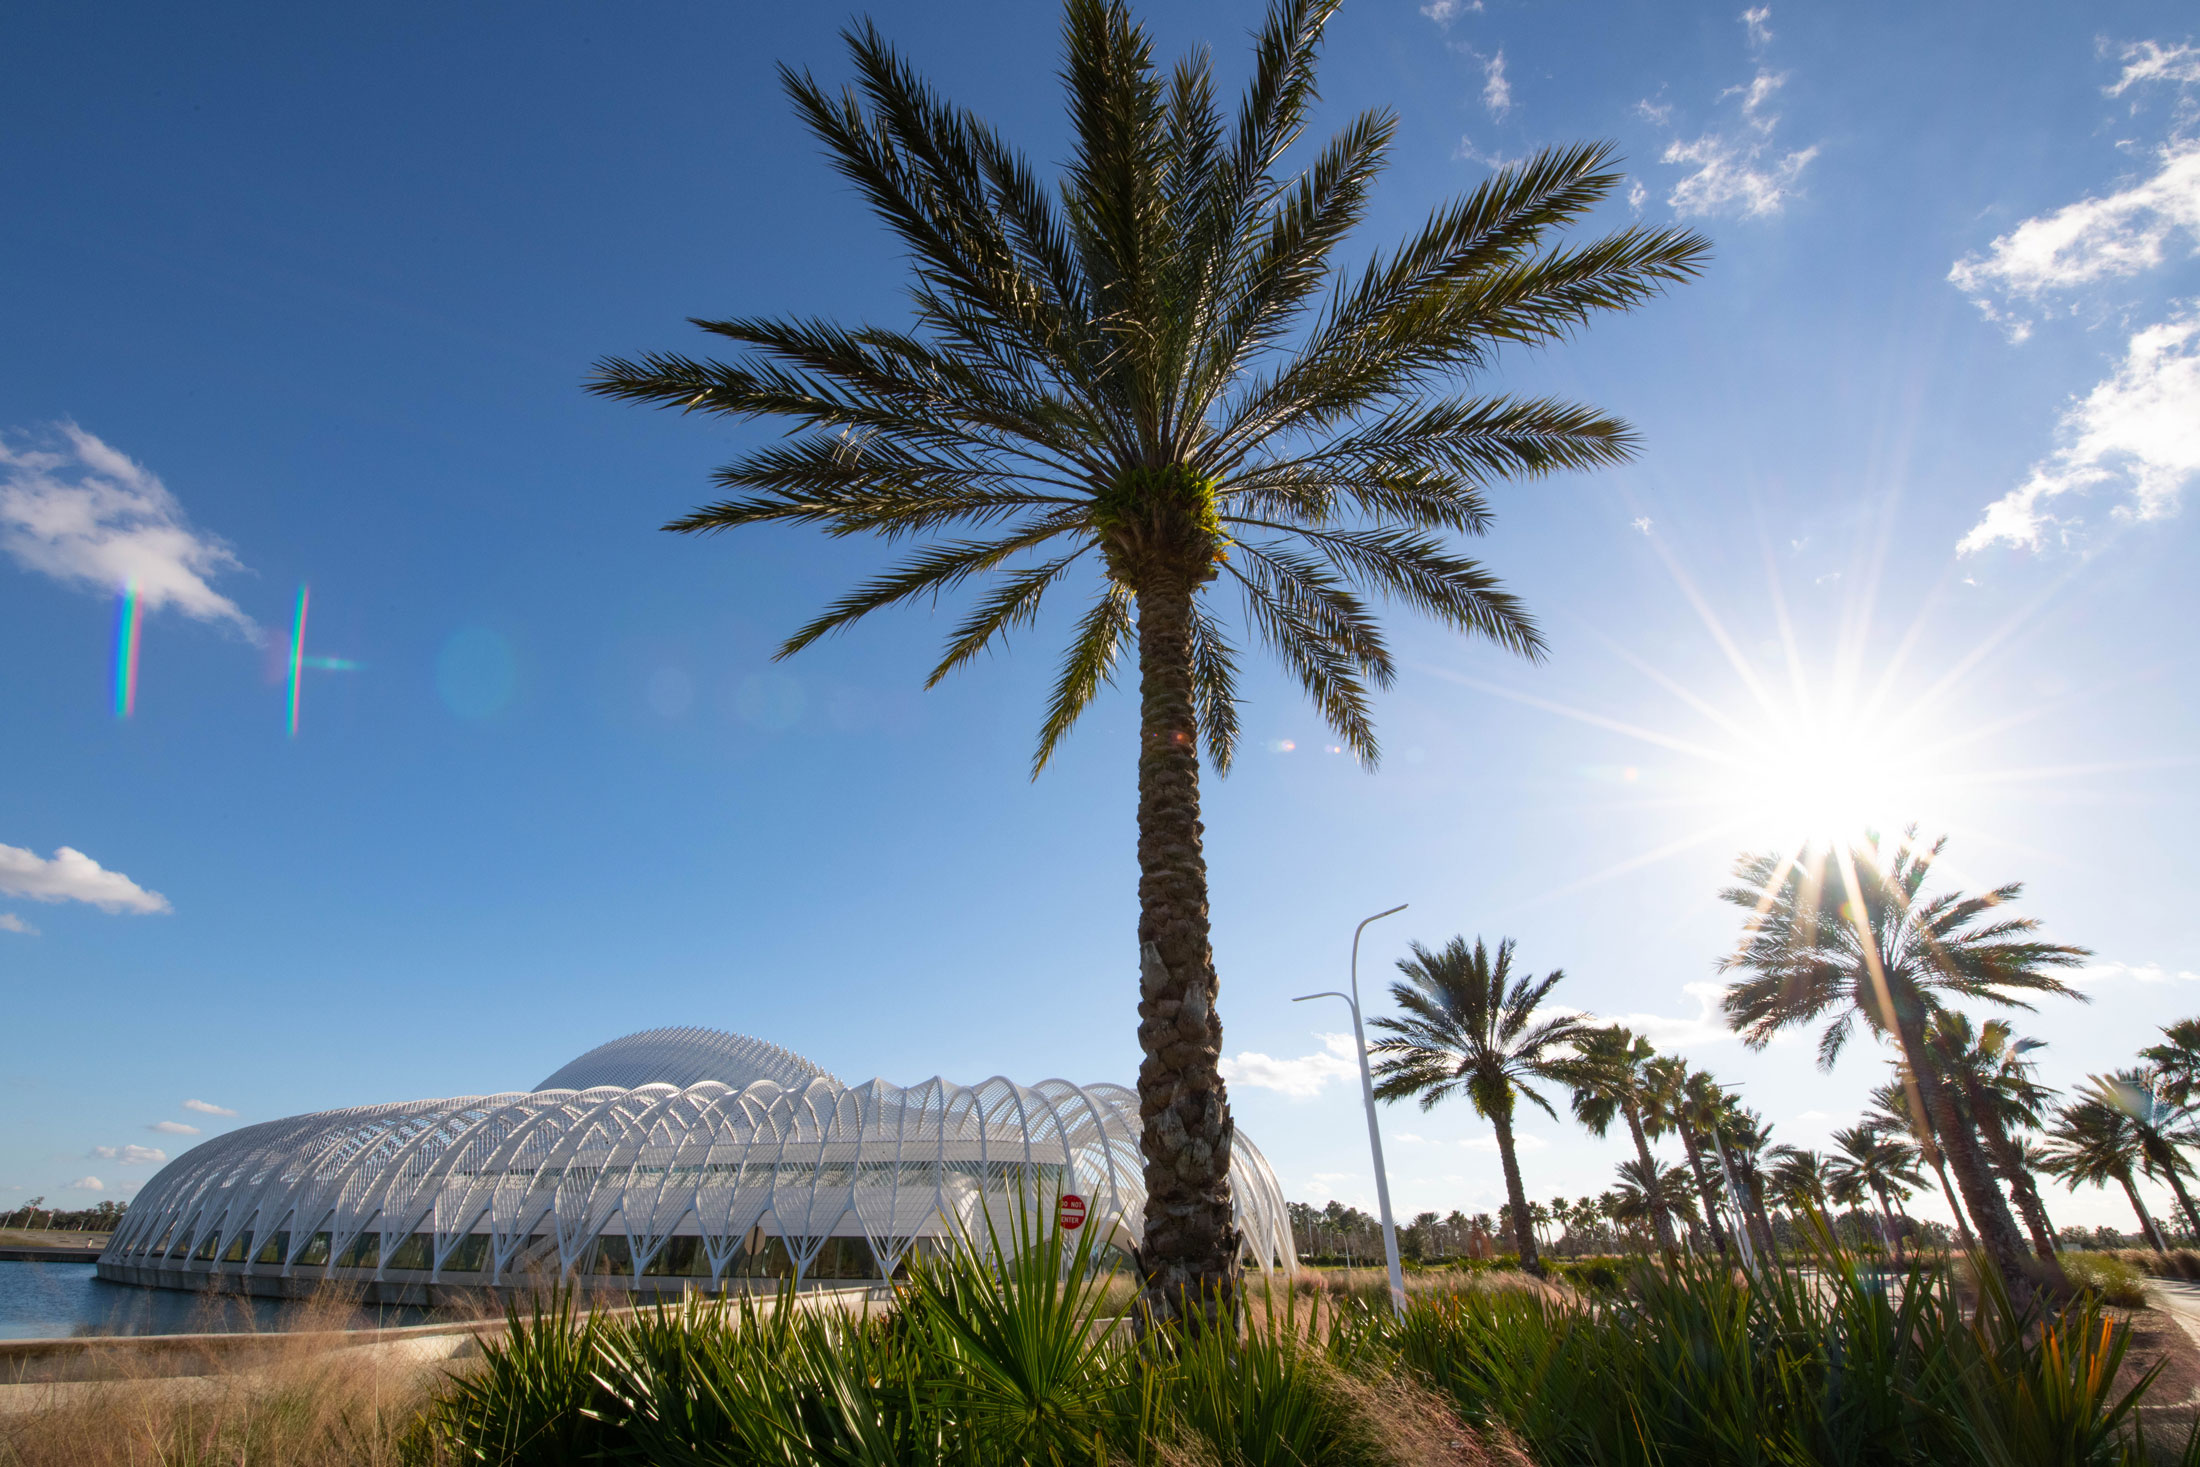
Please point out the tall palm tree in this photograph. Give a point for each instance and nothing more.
(2093, 1143)
(2176, 1061)
(1871, 1159)
(1606, 1076)
(1146, 380)
(1690, 1101)
(1847, 934)
(1995, 1092)
(1470, 1028)
(2160, 1127)
(1743, 1138)
(1697, 1111)
(1892, 1111)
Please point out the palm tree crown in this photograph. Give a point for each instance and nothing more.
(1470, 1028)
(2092, 1143)
(1157, 374)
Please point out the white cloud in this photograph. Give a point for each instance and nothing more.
(1736, 170)
(72, 876)
(1521, 1142)
(208, 1108)
(129, 1155)
(2137, 972)
(87, 1184)
(1444, 12)
(2149, 61)
(1754, 22)
(2140, 429)
(1706, 1026)
(86, 514)
(1302, 1077)
(173, 1128)
(1497, 93)
(2093, 239)
(9, 922)
(1641, 524)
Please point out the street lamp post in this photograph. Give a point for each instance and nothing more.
(1374, 1131)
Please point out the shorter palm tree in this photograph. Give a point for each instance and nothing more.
(1469, 1028)
(2093, 1143)
(1648, 1192)
(2160, 1127)
(1800, 1176)
(1868, 1159)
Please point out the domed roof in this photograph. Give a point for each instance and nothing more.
(684, 1057)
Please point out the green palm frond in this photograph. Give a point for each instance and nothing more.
(1157, 353)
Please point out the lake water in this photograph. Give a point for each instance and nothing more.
(53, 1300)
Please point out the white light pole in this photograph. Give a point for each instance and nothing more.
(1374, 1132)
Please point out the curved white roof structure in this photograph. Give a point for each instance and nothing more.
(675, 1157)
(684, 1057)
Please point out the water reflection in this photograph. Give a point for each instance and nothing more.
(51, 1300)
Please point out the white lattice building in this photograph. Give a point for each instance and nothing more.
(662, 1160)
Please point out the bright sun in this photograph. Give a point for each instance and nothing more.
(1824, 783)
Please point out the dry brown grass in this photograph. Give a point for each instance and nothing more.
(285, 1399)
(355, 1407)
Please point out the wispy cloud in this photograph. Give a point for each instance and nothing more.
(1737, 169)
(2151, 61)
(2140, 430)
(2136, 972)
(2116, 235)
(1497, 93)
(1706, 1026)
(87, 1184)
(129, 1155)
(88, 515)
(9, 922)
(208, 1108)
(173, 1128)
(1444, 12)
(72, 876)
(1302, 1077)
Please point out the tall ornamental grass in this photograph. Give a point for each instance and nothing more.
(1022, 1354)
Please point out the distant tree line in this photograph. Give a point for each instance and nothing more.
(103, 1218)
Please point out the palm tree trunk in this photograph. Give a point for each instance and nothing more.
(1189, 1255)
(1948, 1192)
(1703, 1191)
(1658, 1219)
(1886, 1222)
(1523, 1231)
(2184, 1198)
(2027, 1197)
(2147, 1228)
(1997, 1230)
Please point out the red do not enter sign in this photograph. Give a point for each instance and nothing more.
(1069, 1212)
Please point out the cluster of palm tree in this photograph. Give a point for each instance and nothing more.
(1849, 938)
(1470, 1027)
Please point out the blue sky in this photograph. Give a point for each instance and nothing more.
(303, 296)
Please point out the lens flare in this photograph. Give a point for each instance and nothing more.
(126, 650)
(297, 659)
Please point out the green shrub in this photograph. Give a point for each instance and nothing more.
(2108, 1275)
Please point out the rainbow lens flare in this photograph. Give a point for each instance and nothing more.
(297, 658)
(126, 650)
